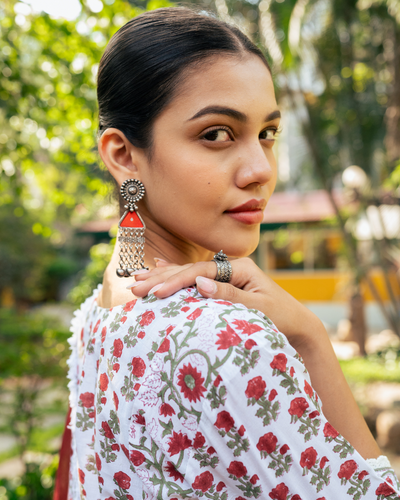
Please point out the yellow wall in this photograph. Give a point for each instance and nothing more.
(329, 285)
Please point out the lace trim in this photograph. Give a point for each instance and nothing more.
(379, 463)
(77, 324)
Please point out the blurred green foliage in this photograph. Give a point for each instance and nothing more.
(92, 275)
(36, 483)
(51, 179)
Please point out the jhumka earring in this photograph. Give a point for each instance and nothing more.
(131, 230)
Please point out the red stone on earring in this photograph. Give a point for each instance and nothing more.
(131, 219)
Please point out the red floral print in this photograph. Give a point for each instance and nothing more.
(203, 482)
(164, 346)
(139, 419)
(107, 430)
(217, 381)
(195, 314)
(175, 474)
(185, 309)
(191, 299)
(191, 383)
(224, 421)
(123, 480)
(347, 469)
(97, 326)
(308, 389)
(254, 479)
(246, 327)
(330, 431)
(298, 406)
(267, 442)
(125, 450)
(272, 395)
(198, 441)
(138, 367)
(98, 463)
(147, 318)
(178, 442)
(166, 410)
(136, 457)
(237, 469)
(118, 346)
(87, 399)
(103, 382)
(129, 305)
(308, 458)
(280, 492)
(255, 388)
(249, 344)
(283, 449)
(228, 383)
(81, 476)
(227, 338)
(323, 462)
(279, 362)
(385, 490)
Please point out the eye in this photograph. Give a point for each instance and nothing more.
(270, 134)
(217, 135)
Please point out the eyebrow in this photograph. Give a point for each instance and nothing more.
(232, 113)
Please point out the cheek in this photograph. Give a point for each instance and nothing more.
(187, 184)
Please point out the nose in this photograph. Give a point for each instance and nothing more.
(257, 166)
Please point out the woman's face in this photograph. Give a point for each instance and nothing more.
(212, 153)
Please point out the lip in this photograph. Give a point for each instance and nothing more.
(249, 217)
(251, 212)
(249, 206)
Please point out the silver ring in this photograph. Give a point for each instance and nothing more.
(224, 268)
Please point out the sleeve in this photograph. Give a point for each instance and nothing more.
(262, 430)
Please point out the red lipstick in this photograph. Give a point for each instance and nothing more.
(251, 212)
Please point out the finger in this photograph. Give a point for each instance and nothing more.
(145, 283)
(162, 263)
(225, 291)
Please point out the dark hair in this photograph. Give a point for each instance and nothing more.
(145, 60)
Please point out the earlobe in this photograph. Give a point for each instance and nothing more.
(119, 155)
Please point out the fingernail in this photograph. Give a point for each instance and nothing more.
(209, 286)
(141, 271)
(160, 260)
(155, 288)
(135, 283)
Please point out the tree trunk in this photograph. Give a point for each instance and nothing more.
(357, 321)
(392, 139)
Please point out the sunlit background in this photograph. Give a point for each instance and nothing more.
(330, 234)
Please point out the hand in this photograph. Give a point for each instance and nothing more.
(249, 286)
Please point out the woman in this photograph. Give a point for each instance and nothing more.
(184, 393)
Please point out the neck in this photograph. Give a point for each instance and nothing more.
(159, 244)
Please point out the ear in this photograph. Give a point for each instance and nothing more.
(121, 157)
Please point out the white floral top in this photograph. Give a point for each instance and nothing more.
(188, 397)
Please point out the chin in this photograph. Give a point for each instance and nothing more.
(241, 248)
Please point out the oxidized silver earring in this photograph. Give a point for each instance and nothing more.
(131, 230)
